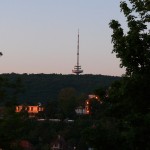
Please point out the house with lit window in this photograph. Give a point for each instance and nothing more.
(80, 110)
(88, 103)
(86, 109)
(32, 110)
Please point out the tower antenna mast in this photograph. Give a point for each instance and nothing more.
(77, 69)
(78, 50)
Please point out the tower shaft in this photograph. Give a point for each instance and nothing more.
(77, 69)
(78, 50)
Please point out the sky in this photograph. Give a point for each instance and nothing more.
(40, 36)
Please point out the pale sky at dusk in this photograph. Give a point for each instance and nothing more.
(40, 36)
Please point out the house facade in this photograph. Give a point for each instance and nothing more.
(86, 109)
(32, 110)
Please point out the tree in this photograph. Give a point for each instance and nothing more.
(51, 109)
(67, 100)
(129, 97)
(133, 47)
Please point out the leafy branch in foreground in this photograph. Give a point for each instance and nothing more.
(133, 47)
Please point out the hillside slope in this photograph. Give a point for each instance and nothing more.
(43, 87)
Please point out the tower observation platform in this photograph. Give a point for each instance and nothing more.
(77, 69)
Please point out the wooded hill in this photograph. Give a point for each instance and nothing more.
(45, 87)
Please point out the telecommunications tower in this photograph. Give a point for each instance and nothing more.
(77, 69)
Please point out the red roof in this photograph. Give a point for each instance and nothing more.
(26, 145)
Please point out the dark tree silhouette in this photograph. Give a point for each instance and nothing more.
(133, 47)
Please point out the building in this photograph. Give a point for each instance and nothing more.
(21, 144)
(86, 109)
(80, 110)
(88, 103)
(58, 144)
(32, 110)
(26, 145)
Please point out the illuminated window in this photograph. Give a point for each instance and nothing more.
(87, 111)
(31, 108)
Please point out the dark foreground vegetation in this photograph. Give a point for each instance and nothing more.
(121, 122)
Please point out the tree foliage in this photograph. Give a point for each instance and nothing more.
(133, 47)
(34, 88)
(129, 97)
(67, 100)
